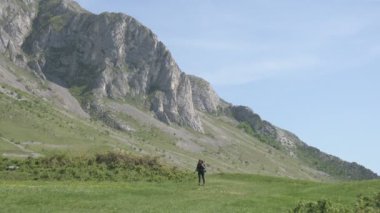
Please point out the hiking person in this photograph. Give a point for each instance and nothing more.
(201, 169)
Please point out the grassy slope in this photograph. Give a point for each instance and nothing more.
(29, 124)
(223, 193)
(224, 147)
(37, 126)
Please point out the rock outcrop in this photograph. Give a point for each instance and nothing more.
(204, 97)
(16, 19)
(245, 114)
(112, 55)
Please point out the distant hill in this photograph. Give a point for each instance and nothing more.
(76, 82)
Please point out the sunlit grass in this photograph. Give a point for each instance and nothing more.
(222, 193)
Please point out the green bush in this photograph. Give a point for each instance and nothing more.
(368, 204)
(109, 166)
(246, 128)
(364, 204)
(321, 206)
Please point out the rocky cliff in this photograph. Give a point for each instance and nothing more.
(112, 55)
(16, 18)
(205, 98)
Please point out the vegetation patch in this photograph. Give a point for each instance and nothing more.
(47, 18)
(57, 22)
(247, 128)
(367, 204)
(333, 165)
(82, 93)
(110, 166)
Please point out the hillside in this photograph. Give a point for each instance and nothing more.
(75, 82)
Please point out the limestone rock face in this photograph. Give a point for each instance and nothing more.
(204, 97)
(16, 19)
(113, 55)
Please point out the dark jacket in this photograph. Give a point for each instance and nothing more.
(201, 167)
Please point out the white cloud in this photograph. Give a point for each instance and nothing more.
(208, 44)
(344, 26)
(258, 70)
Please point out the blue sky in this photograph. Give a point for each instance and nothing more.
(311, 67)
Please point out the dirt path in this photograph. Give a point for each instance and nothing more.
(29, 153)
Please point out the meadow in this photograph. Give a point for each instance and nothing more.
(222, 193)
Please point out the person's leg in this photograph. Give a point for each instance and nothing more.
(199, 178)
(203, 178)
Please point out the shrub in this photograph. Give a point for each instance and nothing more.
(368, 204)
(246, 127)
(321, 206)
(108, 166)
(364, 204)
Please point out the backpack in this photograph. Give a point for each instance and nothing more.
(203, 167)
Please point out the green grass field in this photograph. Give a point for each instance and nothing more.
(222, 193)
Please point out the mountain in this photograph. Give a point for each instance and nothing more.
(72, 81)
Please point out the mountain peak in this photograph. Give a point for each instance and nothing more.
(61, 6)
